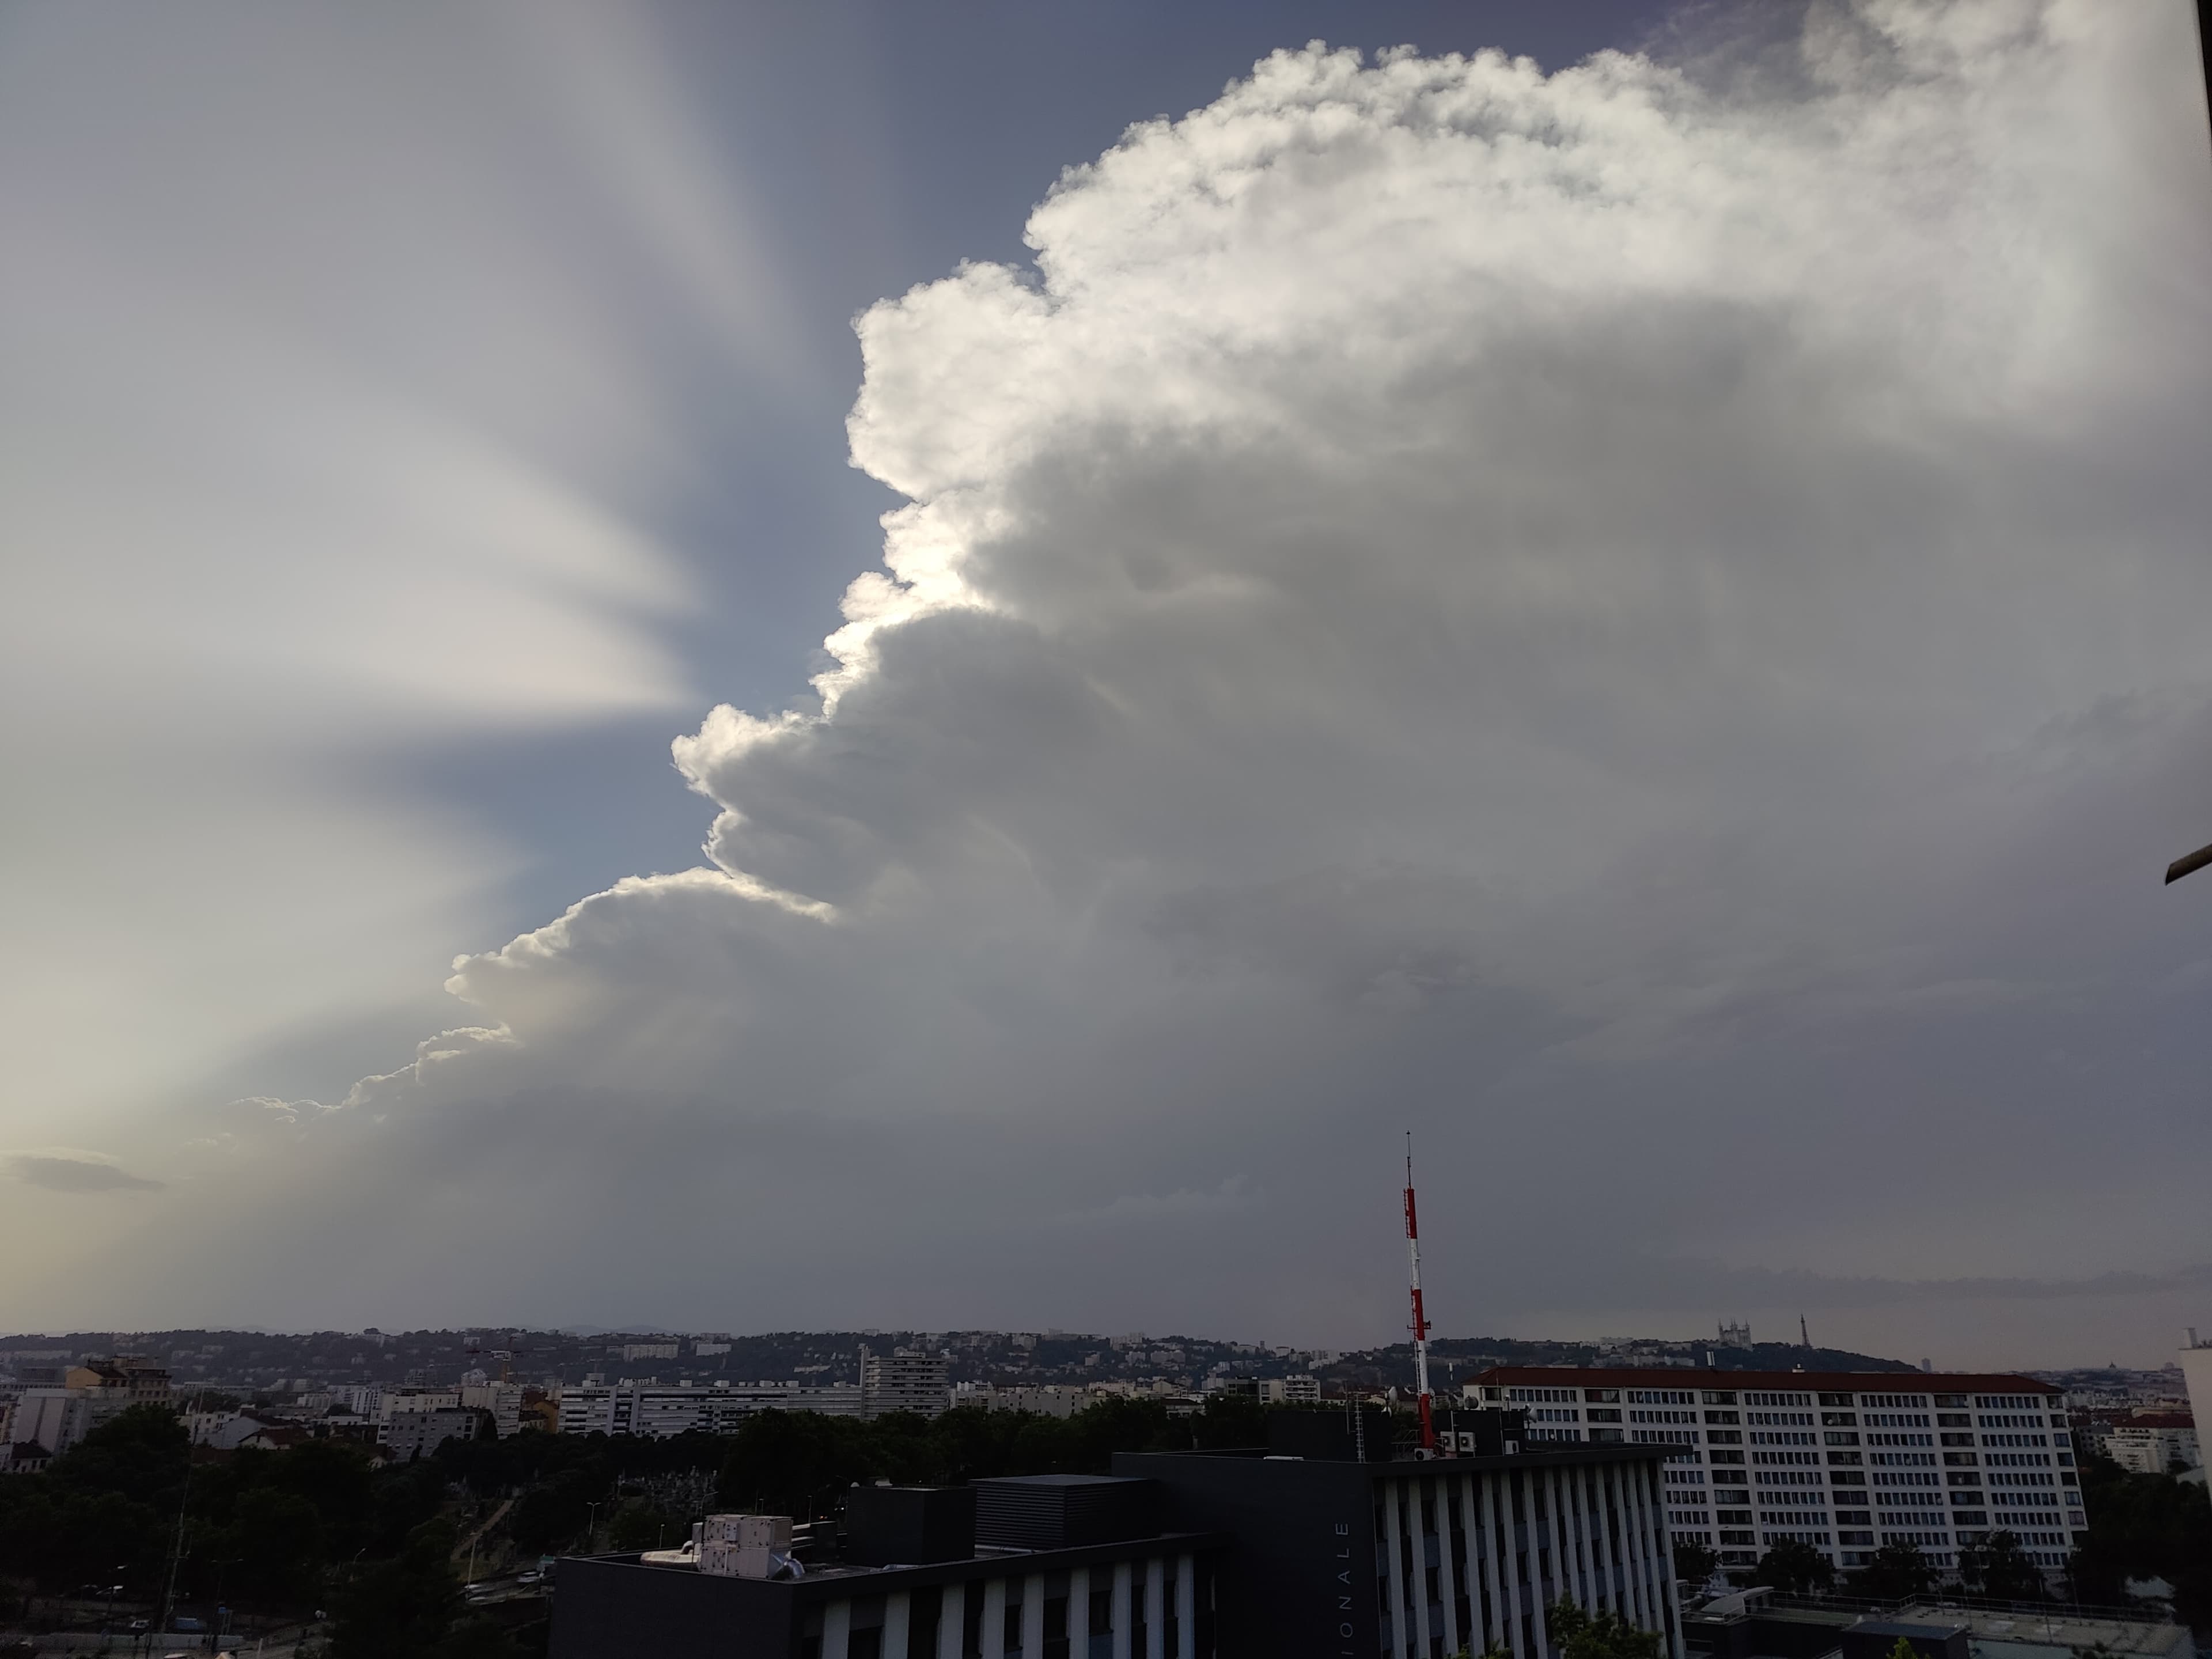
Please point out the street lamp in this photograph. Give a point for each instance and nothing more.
(2180, 867)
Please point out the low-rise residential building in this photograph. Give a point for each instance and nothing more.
(1844, 1462)
(140, 1381)
(2152, 1442)
(1051, 1400)
(394, 1401)
(410, 1434)
(662, 1411)
(1272, 1390)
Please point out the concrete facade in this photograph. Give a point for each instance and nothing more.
(1844, 1462)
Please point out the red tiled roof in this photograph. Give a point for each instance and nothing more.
(1685, 1377)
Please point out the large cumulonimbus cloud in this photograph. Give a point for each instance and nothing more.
(1649, 624)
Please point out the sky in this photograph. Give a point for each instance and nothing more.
(935, 667)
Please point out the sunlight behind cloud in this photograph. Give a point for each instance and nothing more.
(333, 422)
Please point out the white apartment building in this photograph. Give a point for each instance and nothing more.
(2153, 1443)
(1843, 1461)
(904, 1381)
(393, 1402)
(412, 1434)
(1045, 1400)
(503, 1400)
(2196, 1372)
(57, 1418)
(362, 1399)
(663, 1411)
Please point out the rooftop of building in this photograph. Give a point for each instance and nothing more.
(1997, 1631)
(1403, 1462)
(832, 1580)
(1683, 1377)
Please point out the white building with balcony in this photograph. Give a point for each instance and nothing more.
(1842, 1461)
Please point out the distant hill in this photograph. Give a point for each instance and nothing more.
(272, 1363)
(1452, 1360)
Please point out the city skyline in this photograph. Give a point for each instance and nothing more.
(801, 664)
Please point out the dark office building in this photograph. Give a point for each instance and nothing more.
(1326, 1547)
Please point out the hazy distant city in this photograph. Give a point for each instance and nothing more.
(911, 1478)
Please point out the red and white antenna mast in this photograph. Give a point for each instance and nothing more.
(1421, 1319)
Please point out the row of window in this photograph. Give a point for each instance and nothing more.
(1527, 1395)
(1835, 1440)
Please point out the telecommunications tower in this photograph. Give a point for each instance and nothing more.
(1421, 1319)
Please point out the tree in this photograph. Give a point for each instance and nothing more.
(139, 1453)
(554, 1515)
(2144, 1526)
(408, 1607)
(1897, 1573)
(1999, 1570)
(1694, 1562)
(637, 1525)
(1582, 1634)
(1796, 1569)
